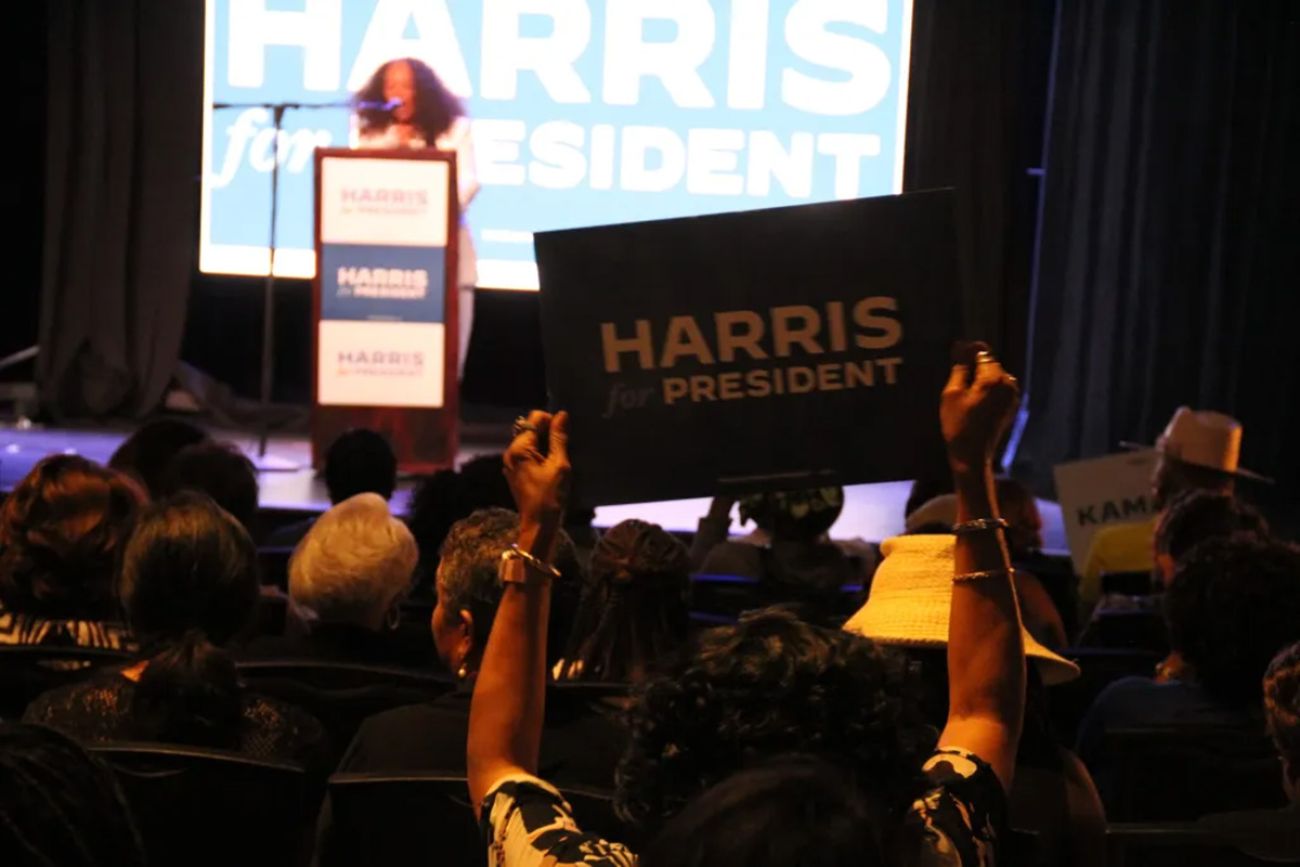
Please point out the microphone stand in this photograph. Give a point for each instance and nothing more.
(277, 110)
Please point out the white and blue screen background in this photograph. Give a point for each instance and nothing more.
(583, 112)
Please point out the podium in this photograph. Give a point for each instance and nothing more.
(385, 302)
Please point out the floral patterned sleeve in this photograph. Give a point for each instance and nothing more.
(527, 823)
(960, 819)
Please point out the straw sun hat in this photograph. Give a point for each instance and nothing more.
(910, 597)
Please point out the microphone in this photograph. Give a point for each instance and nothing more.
(371, 105)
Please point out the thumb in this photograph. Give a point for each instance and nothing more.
(560, 436)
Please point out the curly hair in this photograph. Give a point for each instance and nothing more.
(436, 108)
(636, 608)
(1196, 515)
(1282, 705)
(768, 685)
(1232, 604)
(62, 531)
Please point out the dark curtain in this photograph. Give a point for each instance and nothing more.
(121, 200)
(972, 124)
(1171, 235)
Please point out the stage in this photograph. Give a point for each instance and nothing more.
(871, 512)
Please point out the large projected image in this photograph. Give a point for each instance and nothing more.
(582, 112)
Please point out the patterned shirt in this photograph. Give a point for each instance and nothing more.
(957, 821)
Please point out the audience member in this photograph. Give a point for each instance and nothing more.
(431, 736)
(790, 552)
(791, 811)
(1273, 836)
(1052, 795)
(583, 738)
(61, 531)
(360, 461)
(1199, 450)
(1232, 604)
(219, 470)
(1194, 516)
(61, 806)
(635, 611)
(347, 580)
(771, 683)
(189, 584)
(444, 498)
(145, 454)
(1282, 715)
(1137, 621)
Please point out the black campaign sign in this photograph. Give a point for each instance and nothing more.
(779, 348)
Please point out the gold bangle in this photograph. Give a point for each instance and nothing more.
(979, 525)
(962, 577)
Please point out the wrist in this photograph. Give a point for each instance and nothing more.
(970, 473)
(538, 536)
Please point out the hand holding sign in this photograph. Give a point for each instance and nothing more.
(977, 406)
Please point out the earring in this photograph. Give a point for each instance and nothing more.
(462, 672)
(393, 618)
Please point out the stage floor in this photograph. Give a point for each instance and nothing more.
(871, 512)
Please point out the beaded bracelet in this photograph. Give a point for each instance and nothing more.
(979, 525)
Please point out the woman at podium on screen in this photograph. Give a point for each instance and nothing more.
(406, 105)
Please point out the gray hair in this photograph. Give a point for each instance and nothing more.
(354, 563)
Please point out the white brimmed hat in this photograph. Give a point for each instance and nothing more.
(1204, 439)
(911, 594)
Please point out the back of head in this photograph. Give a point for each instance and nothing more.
(448, 496)
(60, 806)
(792, 811)
(1232, 605)
(360, 461)
(635, 611)
(797, 516)
(354, 564)
(189, 585)
(219, 470)
(62, 529)
(145, 454)
(1197, 515)
(1174, 477)
(759, 688)
(468, 577)
(1282, 709)
(483, 484)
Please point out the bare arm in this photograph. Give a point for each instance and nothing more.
(986, 666)
(509, 703)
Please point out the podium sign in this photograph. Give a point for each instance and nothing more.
(385, 301)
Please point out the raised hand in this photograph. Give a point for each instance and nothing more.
(539, 482)
(975, 410)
